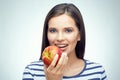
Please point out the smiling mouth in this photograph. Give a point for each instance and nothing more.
(63, 47)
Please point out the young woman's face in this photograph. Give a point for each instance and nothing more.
(63, 33)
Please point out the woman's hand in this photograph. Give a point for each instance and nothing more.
(55, 72)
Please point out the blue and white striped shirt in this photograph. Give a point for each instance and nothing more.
(91, 71)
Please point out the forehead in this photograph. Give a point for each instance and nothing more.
(62, 20)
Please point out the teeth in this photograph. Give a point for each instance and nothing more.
(61, 46)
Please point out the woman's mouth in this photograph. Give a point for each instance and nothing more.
(63, 47)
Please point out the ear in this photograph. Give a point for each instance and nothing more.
(79, 37)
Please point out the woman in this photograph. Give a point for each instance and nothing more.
(64, 28)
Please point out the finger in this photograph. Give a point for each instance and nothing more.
(45, 68)
(61, 62)
(64, 62)
(62, 59)
(52, 65)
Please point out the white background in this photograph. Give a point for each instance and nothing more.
(21, 23)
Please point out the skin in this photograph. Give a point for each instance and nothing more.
(63, 32)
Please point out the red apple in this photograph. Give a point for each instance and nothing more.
(49, 54)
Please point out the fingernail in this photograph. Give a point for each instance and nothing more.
(56, 55)
(64, 53)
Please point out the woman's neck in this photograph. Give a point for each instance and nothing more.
(74, 65)
(72, 58)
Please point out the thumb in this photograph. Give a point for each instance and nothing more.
(45, 67)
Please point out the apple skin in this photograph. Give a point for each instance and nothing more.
(49, 54)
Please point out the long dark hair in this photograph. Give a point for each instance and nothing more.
(73, 11)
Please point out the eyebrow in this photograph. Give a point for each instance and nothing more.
(69, 28)
(52, 27)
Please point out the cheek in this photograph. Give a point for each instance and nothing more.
(51, 38)
(72, 39)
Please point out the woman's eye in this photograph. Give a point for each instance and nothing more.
(68, 30)
(52, 30)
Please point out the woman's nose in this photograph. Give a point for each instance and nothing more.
(60, 37)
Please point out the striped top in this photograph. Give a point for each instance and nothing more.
(91, 71)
